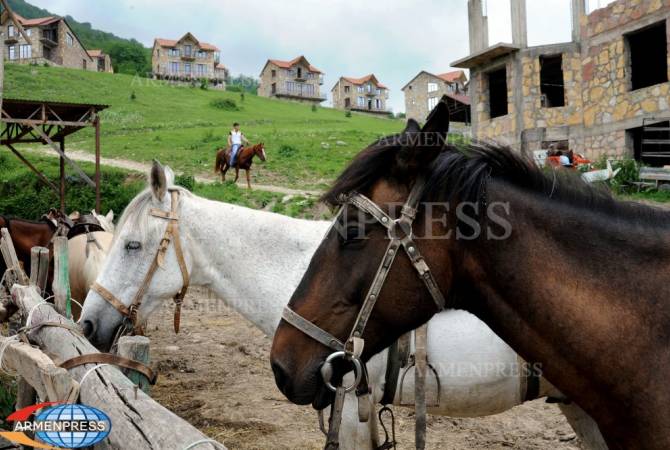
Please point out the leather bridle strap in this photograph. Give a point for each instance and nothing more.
(108, 358)
(312, 330)
(171, 235)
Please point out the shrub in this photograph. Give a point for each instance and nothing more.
(224, 104)
(204, 84)
(629, 173)
(313, 108)
(347, 114)
(287, 151)
(242, 97)
(185, 181)
(133, 96)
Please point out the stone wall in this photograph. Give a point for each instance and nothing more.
(282, 76)
(75, 55)
(599, 103)
(340, 95)
(417, 95)
(161, 59)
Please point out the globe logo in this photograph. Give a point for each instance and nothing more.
(72, 426)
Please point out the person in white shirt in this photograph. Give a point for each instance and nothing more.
(235, 140)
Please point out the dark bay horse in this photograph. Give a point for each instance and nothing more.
(245, 158)
(26, 234)
(565, 274)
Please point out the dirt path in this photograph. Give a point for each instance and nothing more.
(128, 164)
(216, 375)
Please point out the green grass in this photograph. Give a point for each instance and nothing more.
(182, 126)
(23, 195)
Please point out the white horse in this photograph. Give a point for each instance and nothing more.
(85, 259)
(278, 249)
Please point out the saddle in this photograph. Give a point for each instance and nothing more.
(63, 225)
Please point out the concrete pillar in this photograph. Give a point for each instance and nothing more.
(578, 9)
(478, 26)
(519, 26)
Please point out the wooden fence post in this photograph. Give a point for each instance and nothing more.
(136, 348)
(39, 268)
(11, 260)
(61, 282)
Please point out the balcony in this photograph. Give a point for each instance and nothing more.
(188, 56)
(12, 39)
(49, 38)
(299, 94)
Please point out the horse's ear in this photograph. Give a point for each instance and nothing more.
(412, 127)
(158, 181)
(169, 176)
(438, 119)
(110, 216)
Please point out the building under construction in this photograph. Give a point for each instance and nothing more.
(604, 93)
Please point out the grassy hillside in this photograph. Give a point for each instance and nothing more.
(128, 55)
(183, 126)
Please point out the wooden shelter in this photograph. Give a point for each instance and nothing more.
(48, 123)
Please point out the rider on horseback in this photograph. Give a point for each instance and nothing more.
(235, 140)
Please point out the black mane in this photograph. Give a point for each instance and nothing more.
(462, 172)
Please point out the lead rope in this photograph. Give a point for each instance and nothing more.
(389, 441)
(335, 420)
(421, 362)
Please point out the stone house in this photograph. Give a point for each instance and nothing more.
(605, 93)
(102, 59)
(52, 42)
(365, 94)
(425, 90)
(296, 80)
(187, 59)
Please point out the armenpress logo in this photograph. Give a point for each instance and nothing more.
(58, 425)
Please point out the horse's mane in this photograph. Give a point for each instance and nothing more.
(463, 172)
(136, 213)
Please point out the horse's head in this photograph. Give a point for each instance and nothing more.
(139, 235)
(259, 150)
(342, 270)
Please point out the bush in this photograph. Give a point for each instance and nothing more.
(224, 104)
(347, 114)
(313, 108)
(186, 181)
(287, 151)
(204, 84)
(629, 173)
(133, 96)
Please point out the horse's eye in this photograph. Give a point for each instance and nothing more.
(133, 245)
(354, 234)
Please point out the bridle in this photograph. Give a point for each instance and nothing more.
(400, 235)
(130, 313)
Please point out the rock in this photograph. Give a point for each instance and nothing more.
(325, 145)
(171, 348)
(340, 143)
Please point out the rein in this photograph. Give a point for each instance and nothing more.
(400, 235)
(130, 313)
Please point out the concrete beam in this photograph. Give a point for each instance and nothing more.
(577, 10)
(477, 26)
(519, 23)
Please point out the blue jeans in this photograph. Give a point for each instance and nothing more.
(233, 154)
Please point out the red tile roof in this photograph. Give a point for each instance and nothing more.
(219, 66)
(172, 43)
(94, 53)
(365, 79)
(459, 98)
(451, 76)
(293, 62)
(36, 22)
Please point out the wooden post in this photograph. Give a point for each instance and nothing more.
(62, 176)
(139, 423)
(97, 164)
(11, 260)
(136, 348)
(421, 361)
(39, 268)
(61, 282)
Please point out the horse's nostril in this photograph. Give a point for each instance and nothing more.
(88, 329)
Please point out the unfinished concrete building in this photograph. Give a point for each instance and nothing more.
(604, 93)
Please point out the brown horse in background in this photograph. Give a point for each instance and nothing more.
(245, 158)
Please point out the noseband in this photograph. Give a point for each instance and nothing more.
(400, 235)
(130, 313)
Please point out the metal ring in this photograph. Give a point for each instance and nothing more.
(328, 372)
(398, 223)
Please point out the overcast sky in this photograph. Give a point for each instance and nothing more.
(394, 39)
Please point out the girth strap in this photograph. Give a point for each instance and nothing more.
(108, 358)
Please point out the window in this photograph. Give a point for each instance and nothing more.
(202, 54)
(551, 81)
(173, 52)
(12, 52)
(432, 103)
(361, 102)
(274, 73)
(187, 68)
(498, 92)
(188, 50)
(648, 56)
(69, 39)
(379, 91)
(650, 143)
(378, 103)
(432, 87)
(83, 63)
(347, 89)
(201, 69)
(11, 31)
(174, 67)
(26, 52)
(347, 102)
(361, 89)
